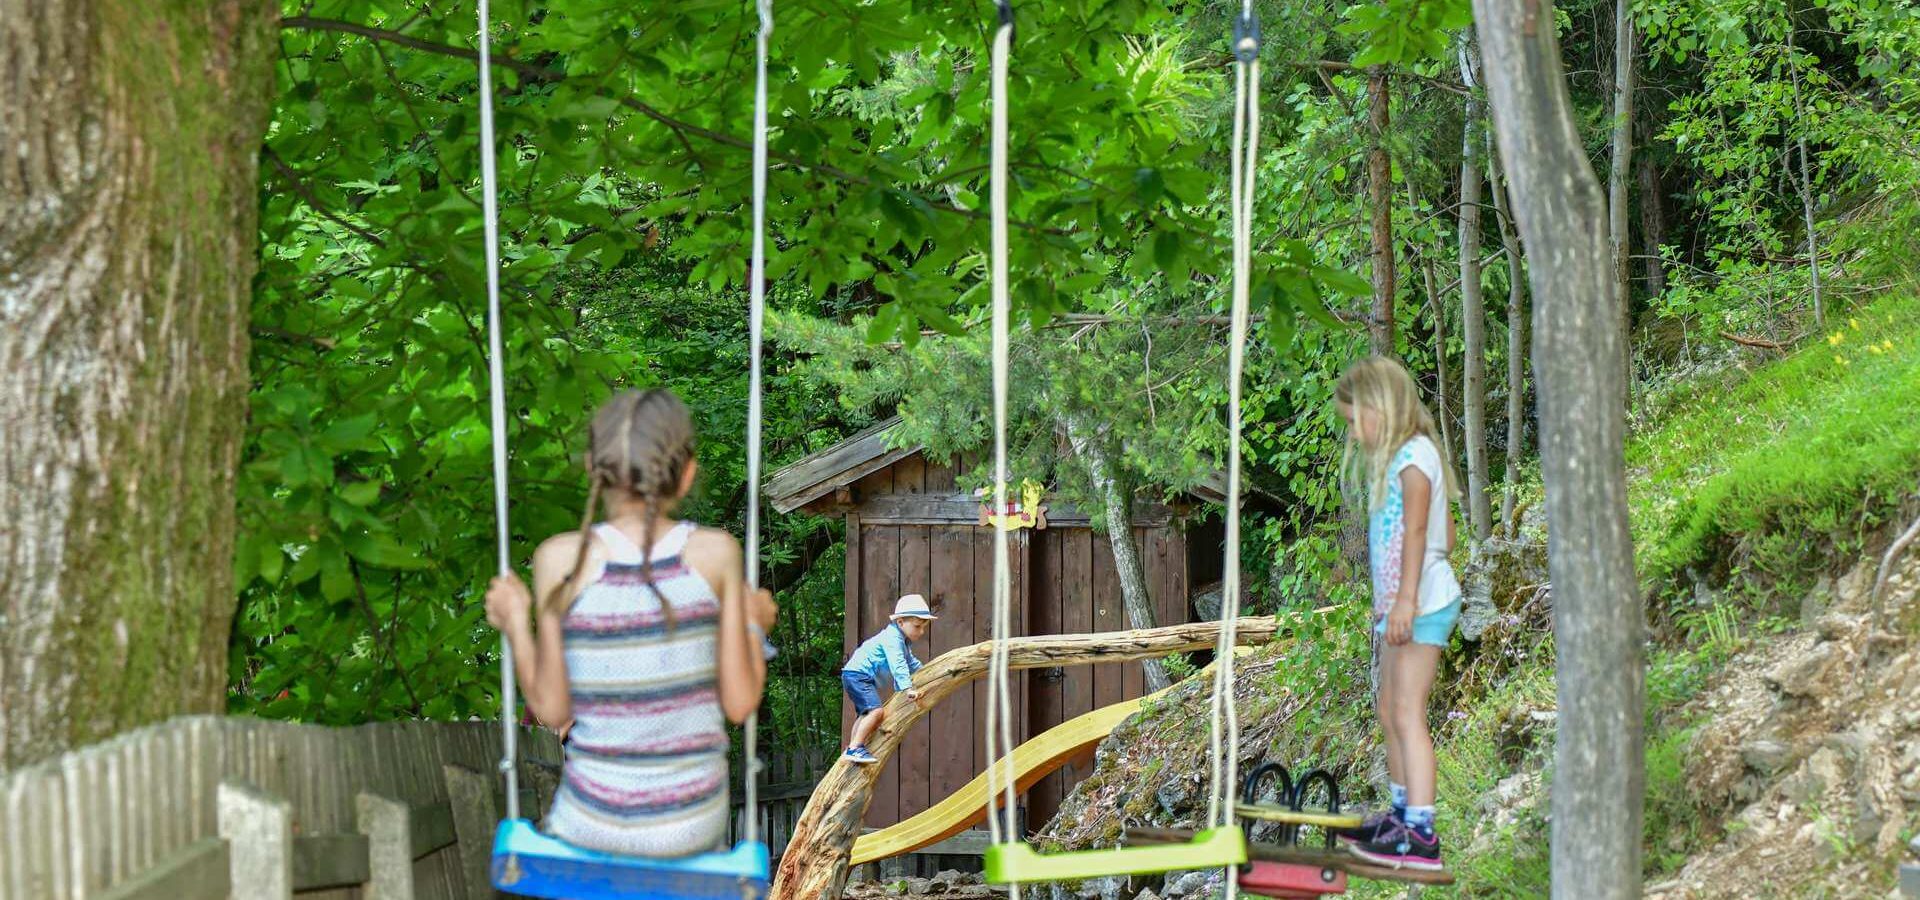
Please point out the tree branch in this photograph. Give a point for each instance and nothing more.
(681, 129)
(300, 187)
(1330, 65)
(309, 23)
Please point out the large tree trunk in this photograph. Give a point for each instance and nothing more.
(1516, 347)
(1653, 223)
(1598, 627)
(1116, 504)
(815, 864)
(1473, 306)
(1380, 199)
(1617, 175)
(127, 249)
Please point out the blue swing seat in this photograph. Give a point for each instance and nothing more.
(532, 864)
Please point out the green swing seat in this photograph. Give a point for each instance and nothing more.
(1019, 863)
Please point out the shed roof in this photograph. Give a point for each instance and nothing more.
(844, 463)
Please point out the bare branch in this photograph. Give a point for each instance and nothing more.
(1335, 66)
(306, 193)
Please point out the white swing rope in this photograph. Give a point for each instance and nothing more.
(509, 735)
(1224, 717)
(1242, 164)
(497, 391)
(1001, 825)
(757, 294)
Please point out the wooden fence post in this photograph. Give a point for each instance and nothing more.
(470, 794)
(388, 825)
(258, 828)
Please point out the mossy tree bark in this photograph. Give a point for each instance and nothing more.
(132, 131)
(1597, 620)
(815, 864)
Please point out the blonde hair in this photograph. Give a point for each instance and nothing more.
(1383, 386)
(641, 442)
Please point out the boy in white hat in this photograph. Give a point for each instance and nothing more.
(888, 654)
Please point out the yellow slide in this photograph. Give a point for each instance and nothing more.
(1032, 761)
(967, 807)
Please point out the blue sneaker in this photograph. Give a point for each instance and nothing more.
(859, 756)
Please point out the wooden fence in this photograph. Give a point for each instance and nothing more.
(206, 806)
(216, 807)
(787, 779)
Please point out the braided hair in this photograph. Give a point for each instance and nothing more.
(641, 443)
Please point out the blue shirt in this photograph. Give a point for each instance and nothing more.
(886, 654)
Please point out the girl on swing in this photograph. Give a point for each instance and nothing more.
(1416, 599)
(647, 644)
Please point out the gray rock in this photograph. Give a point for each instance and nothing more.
(1186, 884)
(1804, 676)
(916, 887)
(1817, 601)
(1101, 888)
(1913, 846)
(1174, 795)
(1834, 626)
(1766, 756)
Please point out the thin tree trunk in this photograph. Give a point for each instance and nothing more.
(1116, 504)
(1617, 175)
(1806, 181)
(132, 132)
(1380, 199)
(1442, 387)
(1653, 223)
(1599, 779)
(815, 864)
(1473, 316)
(1516, 347)
(1442, 390)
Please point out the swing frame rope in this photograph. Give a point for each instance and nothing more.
(1223, 844)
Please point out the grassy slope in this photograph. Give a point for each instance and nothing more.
(1754, 483)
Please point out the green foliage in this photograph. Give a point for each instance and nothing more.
(1772, 77)
(1406, 31)
(366, 499)
(1714, 472)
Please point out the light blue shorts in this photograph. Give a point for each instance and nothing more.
(1434, 628)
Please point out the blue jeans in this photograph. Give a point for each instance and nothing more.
(862, 690)
(1432, 629)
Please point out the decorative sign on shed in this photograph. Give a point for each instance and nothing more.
(1024, 508)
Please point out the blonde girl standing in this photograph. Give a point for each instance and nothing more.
(1391, 449)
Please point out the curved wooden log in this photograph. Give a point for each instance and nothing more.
(814, 866)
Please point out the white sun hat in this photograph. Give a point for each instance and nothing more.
(913, 606)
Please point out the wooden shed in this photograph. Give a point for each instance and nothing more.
(909, 529)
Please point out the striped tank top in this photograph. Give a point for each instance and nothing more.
(646, 764)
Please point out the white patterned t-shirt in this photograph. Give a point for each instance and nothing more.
(1387, 527)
